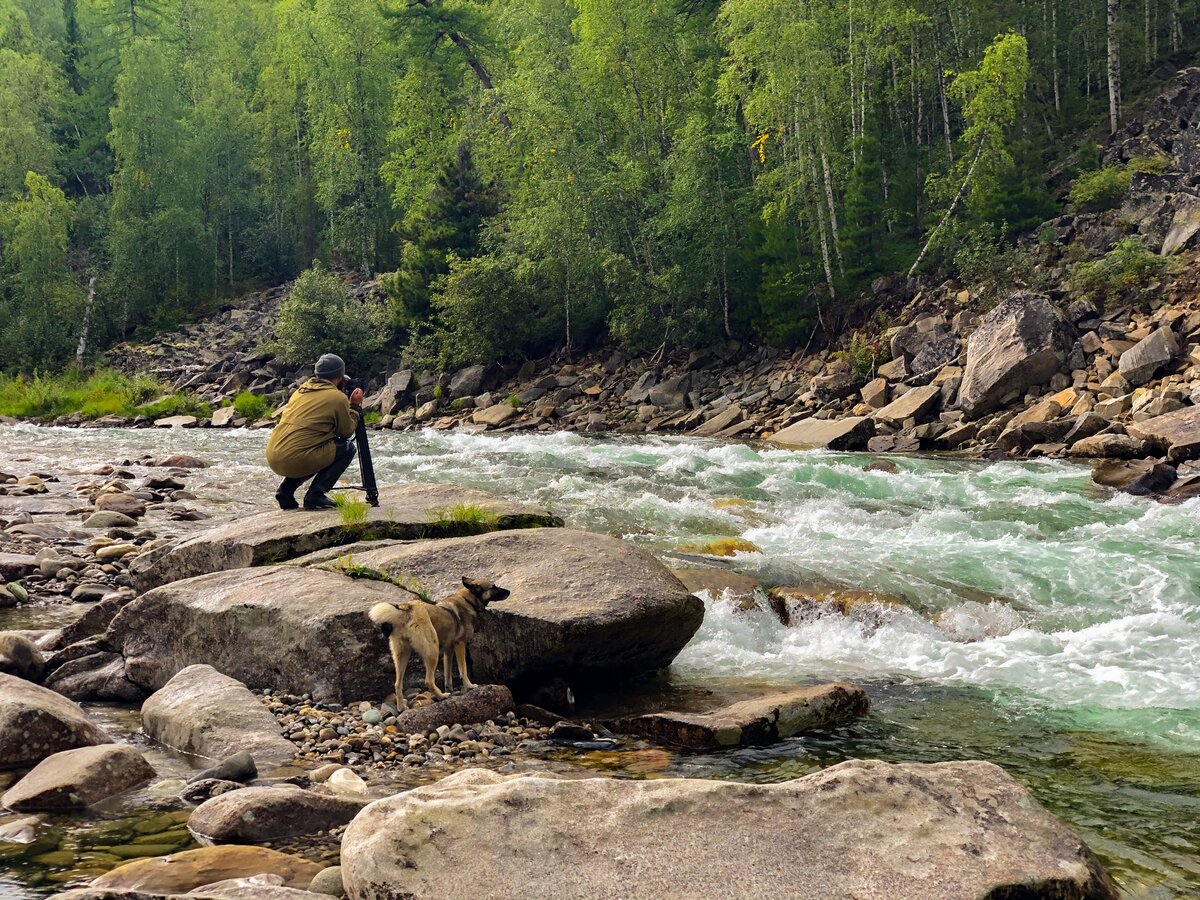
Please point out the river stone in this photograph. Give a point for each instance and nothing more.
(1021, 343)
(861, 829)
(186, 871)
(16, 565)
(329, 881)
(1139, 363)
(484, 702)
(35, 722)
(742, 589)
(126, 504)
(407, 512)
(230, 889)
(98, 676)
(176, 422)
(254, 815)
(1109, 446)
(495, 415)
(1140, 477)
(850, 433)
(762, 720)
(239, 767)
(203, 712)
(583, 606)
(467, 382)
(109, 518)
(1181, 427)
(73, 779)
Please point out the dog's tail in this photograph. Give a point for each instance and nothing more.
(388, 617)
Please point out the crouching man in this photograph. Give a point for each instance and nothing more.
(314, 437)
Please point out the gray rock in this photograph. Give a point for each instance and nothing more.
(1141, 477)
(406, 512)
(35, 722)
(861, 829)
(73, 779)
(484, 702)
(203, 712)
(1109, 446)
(583, 605)
(850, 433)
(98, 676)
(1021, 343)
(108, 518)
(1181, 427)
(20, 657)
(207, 788)
(257, 814)
(1141, 361)
(239, 767)
(672, 393)
(467, 382)
(762, 720)
(917, 403)
(329, 881)
(396, 392)
(937, 352)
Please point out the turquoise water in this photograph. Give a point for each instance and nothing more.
(1049, 626)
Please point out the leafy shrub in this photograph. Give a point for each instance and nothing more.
(320, 316)
(1100, 190)
(175, 405)
(1152, 163)
(250, 406)
(1124, 271)
(983, 258)
(863, 353)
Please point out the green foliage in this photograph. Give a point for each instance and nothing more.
(460, 403)
(319, 316)
(251, 407)
(1100, 190)
(1152, 163)
(513, 401)
(864, 354)
(1125, 271)
(103, 393)
(347, 566)
(986, 259)
(352, 511)
(374, 417)
(466, 518)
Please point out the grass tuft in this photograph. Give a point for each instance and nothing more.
(105, 392)
(251, 407)
(348, 567)
(352, 510)
(467, 517)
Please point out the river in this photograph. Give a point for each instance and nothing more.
(1051, 627)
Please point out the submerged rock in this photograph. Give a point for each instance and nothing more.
(950, 831)
(763, 720)
(36, 722)
(77, 778)
(407, 512)
(186, 871)
(203, 712)
(257, 814)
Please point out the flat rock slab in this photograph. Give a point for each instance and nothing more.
(850, 433)
(286, 628)
(16, 565)
(409, 512)
(861, 830)
(36, 722)
(762, 720)
(257, 814)
(916, 403)
(583, 606)
(42, 505)
(186, 871)
(74, 779)
(1165, 431)
(203, 712)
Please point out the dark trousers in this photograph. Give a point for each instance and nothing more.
(325, 480)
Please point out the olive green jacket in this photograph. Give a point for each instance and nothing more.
(302, 442)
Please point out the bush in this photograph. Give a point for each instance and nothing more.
(1124, 271)
(1100, 190)
(250, 406)
(985, 259)
(1152, 163)
(863, 354)
(320, 316)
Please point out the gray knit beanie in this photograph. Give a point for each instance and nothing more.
(330, 367)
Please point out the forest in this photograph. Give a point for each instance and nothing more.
(523, 175)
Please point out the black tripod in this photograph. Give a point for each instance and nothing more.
(365, 466)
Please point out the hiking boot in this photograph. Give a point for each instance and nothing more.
(286, 498)
(318, 501)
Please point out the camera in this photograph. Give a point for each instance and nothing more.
(350, 385)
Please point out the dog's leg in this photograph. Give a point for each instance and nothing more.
(400, 654)
(431, 662)
(460, 651)
(447, 674)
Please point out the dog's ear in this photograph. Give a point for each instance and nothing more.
(474, 585)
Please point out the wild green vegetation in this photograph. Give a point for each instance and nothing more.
(103, 393)
(527, 174)
(251, 407)
(466, 518)
(351, 510)
(347, 566)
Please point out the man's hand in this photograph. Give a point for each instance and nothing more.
(356, 397)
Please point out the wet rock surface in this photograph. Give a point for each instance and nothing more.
(257, 814)
(73, 779)
(36, 722)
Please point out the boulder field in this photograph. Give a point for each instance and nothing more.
(861, 829)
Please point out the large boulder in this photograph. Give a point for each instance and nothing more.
(1179, 428)
(762, 720)
(203, 712)
(186, 871)
(481, 703)
(1140, 362)
(862, 829)
(850, 433)
(283, 627)
(78, 778)
(36, 722)
(918, 403)
(1022, 342)
(396, 392)
(254, 815)
(406, 512)
(583, 605)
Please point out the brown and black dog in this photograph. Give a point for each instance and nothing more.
(433, 628)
